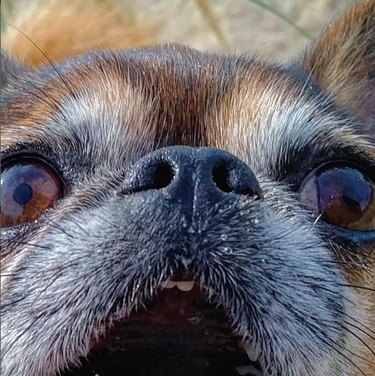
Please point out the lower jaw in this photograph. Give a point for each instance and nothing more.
(179, 334)
(168, 359)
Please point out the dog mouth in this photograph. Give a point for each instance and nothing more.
(179, 333)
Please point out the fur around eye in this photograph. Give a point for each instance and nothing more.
(343, 195)
(28, 187)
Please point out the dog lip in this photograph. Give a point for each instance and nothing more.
(180, 326)
(181, 319)
(175, 304)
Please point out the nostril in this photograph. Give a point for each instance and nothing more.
(232, 176)
(163, 175)
(220, 176)
(149, 174)
(183, 174)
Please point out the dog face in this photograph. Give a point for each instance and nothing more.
(167, 211)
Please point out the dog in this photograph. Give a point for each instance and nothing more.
(166, 211)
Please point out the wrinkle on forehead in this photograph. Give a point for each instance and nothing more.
(136, 100)
(268, 114)
(164, 92)
(110, 117)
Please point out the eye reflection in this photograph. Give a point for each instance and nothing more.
(342, 195)
(28, 187)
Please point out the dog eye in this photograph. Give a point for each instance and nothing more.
(342, 195)
(28, 187)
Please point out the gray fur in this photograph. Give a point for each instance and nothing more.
(99, 255)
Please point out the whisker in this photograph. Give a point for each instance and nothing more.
(351, 263)
(17, 242)
(363, 331)
(328, 342)
(358, 287)
(363, 342)
(51, 103)
(316, 220)
(69, 87)
(6, 305)
(316, 330)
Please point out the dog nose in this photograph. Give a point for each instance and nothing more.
(196, 175)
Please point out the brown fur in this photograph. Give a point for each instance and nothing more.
(342, 62)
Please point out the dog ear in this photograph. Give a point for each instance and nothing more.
(10, 70)
(342, 62)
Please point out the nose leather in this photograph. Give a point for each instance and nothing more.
(197, 178)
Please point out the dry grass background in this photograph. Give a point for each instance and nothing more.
(213, 25)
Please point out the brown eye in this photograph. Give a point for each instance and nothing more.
(342, 195)
(28, 187)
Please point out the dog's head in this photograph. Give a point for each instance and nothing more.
(167, 212)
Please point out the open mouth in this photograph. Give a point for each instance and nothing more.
(180, 333)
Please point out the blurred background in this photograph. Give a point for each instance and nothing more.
(272, 28)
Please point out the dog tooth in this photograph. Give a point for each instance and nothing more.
(169, 284)
(248, 371)
(251, 351)
(211, 292)
(195, 320)
(185, 285)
